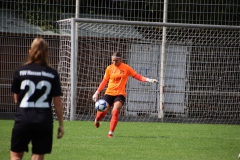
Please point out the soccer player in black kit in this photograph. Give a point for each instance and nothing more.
(35, 85)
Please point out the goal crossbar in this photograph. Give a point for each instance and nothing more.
(141, 23)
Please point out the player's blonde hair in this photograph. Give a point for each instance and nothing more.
(38, 52)
(117, 55)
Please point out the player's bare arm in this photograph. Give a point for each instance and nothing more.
(58, 107)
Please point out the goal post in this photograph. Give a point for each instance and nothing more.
(195, 57)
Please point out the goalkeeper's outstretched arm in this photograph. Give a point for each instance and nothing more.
(144, 79)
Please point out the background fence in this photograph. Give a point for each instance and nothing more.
(212, 55)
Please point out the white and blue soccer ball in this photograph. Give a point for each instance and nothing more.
(101, 105)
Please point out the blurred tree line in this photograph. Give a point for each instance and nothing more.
(45, 13)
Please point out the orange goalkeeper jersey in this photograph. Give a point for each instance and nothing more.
(117, 77)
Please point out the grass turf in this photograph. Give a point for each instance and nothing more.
(137, 141)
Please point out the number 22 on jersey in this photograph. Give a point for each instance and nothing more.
(39, 103)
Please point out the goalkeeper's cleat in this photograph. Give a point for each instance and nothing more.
(96, 124)
(110, 135)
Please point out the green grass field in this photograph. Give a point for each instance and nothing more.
(137, 141)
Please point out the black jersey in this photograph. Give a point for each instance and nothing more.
(35, 84)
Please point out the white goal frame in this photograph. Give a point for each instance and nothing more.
(73, 69)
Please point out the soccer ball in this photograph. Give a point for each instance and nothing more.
(101, 105)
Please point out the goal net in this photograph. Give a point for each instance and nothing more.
(201, 70)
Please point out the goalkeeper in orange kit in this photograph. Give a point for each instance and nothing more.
(116, 75)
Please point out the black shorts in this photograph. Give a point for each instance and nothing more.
(41, 138)
(111, 99)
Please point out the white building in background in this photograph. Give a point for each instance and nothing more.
(145, 59)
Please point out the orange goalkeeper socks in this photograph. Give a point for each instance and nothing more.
(100, 115)
(114, 120)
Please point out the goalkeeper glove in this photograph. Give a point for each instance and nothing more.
(151, 80)
(95, 96)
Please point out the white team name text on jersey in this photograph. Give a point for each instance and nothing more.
(34, 73)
